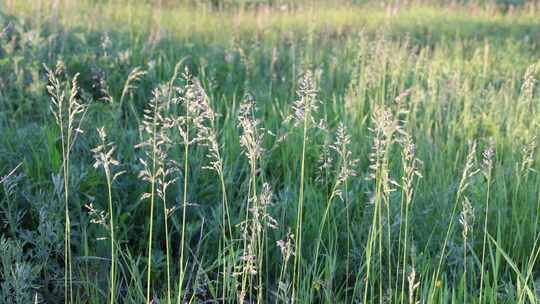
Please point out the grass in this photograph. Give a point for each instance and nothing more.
(294, 152)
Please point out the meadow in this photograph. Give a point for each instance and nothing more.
(269, 152)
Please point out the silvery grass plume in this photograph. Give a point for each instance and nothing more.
(253, 228)
(98, 217)
(251, 137)
(400, 102)
(304, 109)
(528, 152)
(205, 125)
(166, 168)
(487, 158)
(529, 83)
(286, 248)
(154, 143)
(411, 167)
(385, 130)
(155, 140)
(469, 170)
(307, 104)
(68, 114)
(325, 160)
(106, 44)
(103, 155)
(528, 159)
(526, 98)
(99, 84)
(192, 101)
(344, 170)
(466, 217)
(253, 233)
(192, 98)
(134, 76)
(347, 164)
(207, 135)
(129, 86)
(259, 211)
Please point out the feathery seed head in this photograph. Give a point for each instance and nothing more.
(487, 157)
(306, 104)
(413, 285)
(528, 155)
(347, 165)
(286, 246)
(466, 218)
(251, 134)
(103, 153)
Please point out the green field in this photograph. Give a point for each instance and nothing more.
(269, 151)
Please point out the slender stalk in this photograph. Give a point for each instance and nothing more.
(468, 172)
(103, 155)
(152, 199)
(347, 262)
(226, 227)
(304, 109)
(404, 261)
(67, 232)
(371, 241)
(298, 241)
(66, 114)
(389, 240)
(465, 268)
(226, 217)
(380, 245)
(113, 247)
(488, 178)
(410, 170)
(375, 228)
(248, 248)
(167, 246)
(184, 202)
(323, 224)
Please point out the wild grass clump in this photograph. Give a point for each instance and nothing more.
(299, 155)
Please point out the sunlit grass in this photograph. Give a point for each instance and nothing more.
(273, 154)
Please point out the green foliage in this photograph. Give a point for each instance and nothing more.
(392, 147)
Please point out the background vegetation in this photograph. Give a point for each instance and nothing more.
(269, 151)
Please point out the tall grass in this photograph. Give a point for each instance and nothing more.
(103, 155)
(306, 153)
(304, 109)
(67, 112)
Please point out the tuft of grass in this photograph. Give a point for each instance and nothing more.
(379, 183)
